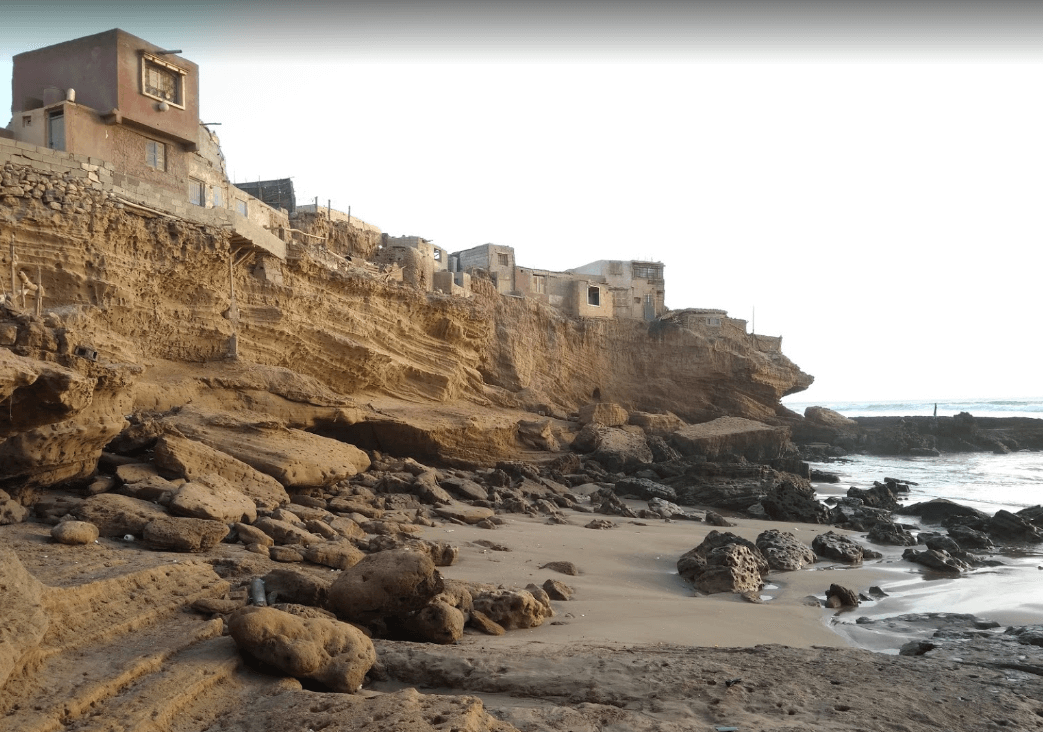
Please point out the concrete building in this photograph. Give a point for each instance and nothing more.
(603, 289)
(118, 99)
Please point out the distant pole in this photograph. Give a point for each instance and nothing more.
(39, 291)
(349, 215)
(329, 209)
(753, 323)
(14, 287)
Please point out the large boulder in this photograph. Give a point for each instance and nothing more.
(755, 441)
(333, 653)
(784, 551)
(395, 582)
(74, 532)
(284, 532)
(117, 515)
(299, 588)
(731, 568)
(645, 489)
(828, 418)
(656, 424)
(297, 459)
(1007, 526)
(938, 510)
(190, 459)
(693, 563)
(59, 418)
(210, 496)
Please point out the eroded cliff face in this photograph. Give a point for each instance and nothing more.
(327, 341)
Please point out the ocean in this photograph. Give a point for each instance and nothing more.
(1011, 593)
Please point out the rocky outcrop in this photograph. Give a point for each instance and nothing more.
(752, 440)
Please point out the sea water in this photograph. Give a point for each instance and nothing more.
(1011, 593)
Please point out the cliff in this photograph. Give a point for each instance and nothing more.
(327, 340)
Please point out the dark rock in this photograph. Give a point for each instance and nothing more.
(716, 519)
(843, 596)
(879, 496)
(891, 535)
(1007, 526)
(732, 568)
(837, 547)
(784, 551)
(645, 489)
(694, 562)
(557, 590)
(793, 501)
(934, 559)
(296, 587)
(942, 543)
(937, 510)
(969, 539)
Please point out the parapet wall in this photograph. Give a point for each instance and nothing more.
(101, 175)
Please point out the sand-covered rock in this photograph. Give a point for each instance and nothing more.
(24, 621)
(333, 653)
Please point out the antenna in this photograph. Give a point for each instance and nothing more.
(753, 323)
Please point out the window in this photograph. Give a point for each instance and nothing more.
(240, 207)
(196, 192)
(155, 155)
(615, 268)
(56, 130)
(219, 199)
(163, 81)
(594, 296)
(637, 300)
(716, 322)
(648, 272)
(437, 255)
(539, 284)
(27, 120)
(503, 259)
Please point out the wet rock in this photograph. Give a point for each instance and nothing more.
(117, 515)
(1007, 526)
(971, 540)
(75, 532)
(838, 548)
(937, 560)
(891, 534)
(333, 653)
(939, 509)
(728, 571)
(942, 543)
(839, 596)
(784, 551)
(511, 609)
(184, 534)
(879, 496)
(395, 582)
(731, 568)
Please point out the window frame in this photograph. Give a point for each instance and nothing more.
(218, 197)
(503, 259)
(194, 185)
(156, 157)
(539, 284)
(241, 208)
(148, 60)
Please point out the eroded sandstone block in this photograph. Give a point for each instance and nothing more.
(331, 652)
(386, 583)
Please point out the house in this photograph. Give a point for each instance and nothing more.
(276, 193)
(604, 289)
(117, 99)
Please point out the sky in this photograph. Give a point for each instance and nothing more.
(863, 179)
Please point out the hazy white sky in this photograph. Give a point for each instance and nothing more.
(869, 182)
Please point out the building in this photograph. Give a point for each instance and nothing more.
(118, 99)
(604, 289)
(276, 193)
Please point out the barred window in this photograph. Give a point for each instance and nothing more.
(648, 272)
(196, 192)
